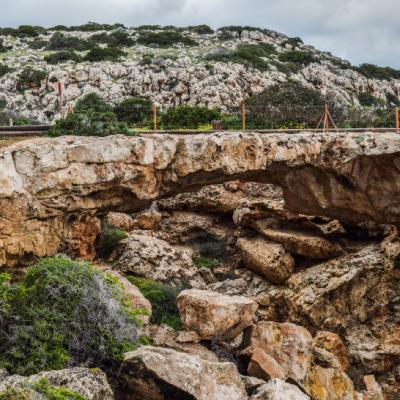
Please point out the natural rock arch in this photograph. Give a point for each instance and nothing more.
(43, 182)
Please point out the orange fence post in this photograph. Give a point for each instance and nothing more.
(243, 110)
(397, 119)
(155, 117)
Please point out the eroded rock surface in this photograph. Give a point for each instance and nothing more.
(46, 183)
(161, 374)
(90, 383)
(215, 316)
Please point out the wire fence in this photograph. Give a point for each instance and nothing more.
(324, 117)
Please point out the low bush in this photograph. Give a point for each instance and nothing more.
(164, 39)
(30, 77)
(287, 105)
(59, 41)
(187, 117)
(163, 301)
(3, 49)
(294, 42)
(201, 29)
(89, 123)
(367, 99)
(23, 31)
(108, 240)
(38, 44)
(205, 262)
(106, 54)
(92, 102)
(296, 59)
(62, 56)
(373, 71)
(117, 38)
(252, 55)
(4, 69)
(134, 110)
(64, 313)
(89, 27)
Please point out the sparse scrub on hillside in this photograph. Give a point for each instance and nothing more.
(293, 41)
(64, 313)
(3, 49)
(374, 72)
(38, 44)
(97, 54)
(367, 99)
(89, 27)
(163, 301)
(252, 55)
(92, 102)
(62, 56)
(164, 39)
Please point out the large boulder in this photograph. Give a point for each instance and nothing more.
(215, 316)
(280, 351)
(153, 373)
(152, 258)
(90, 383)
(267, 258)
(277, 389)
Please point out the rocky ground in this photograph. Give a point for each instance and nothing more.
(179, 74)
(297, 292)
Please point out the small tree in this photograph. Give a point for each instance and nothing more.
(134, 110)
(188, 117)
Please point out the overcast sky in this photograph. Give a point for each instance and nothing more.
(358, 30)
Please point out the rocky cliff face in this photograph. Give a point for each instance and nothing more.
(179, 74)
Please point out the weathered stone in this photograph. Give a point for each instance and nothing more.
(278, 389)
(45, 183)
(333, 343)
(215, 316)
(263, 366)
(152, 258)
(90, 383)
(147, 220)
(299, 243)
(289, 345)
(121, 220)
(266, 258)
(329, 384)
(163, 374)
(373, 389)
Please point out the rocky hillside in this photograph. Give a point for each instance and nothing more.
(193, 65)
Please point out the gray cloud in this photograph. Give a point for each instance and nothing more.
(359, 30)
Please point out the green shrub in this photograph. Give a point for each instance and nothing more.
(37, 44)
(287, 105)
(117, 38)
(3, 49)
(164, 39)
(23, 31)
(89, 123)
(201, 29)
(106, 54)
(51, 392)
(248, 54)
(294, 42)
(373, 71)
(187, 117)
(64, 313)
(92, 101)
(163, 301)
(30, 77)
(205, 262)
(134, 110)
(296, 59)
(62, 56)
(108, 240)
(367, 99)
(4, 69)
(59, 41)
